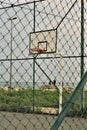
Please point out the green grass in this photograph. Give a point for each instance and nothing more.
(21, 99)
(24, 100)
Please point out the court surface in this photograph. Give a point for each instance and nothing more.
(18, 121)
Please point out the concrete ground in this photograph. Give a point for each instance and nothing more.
(19, 121)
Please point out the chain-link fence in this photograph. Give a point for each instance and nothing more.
(42, 59)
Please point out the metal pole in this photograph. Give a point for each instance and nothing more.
(82, 50)
(34, 59)
(61, 79)
(11, 19)
(34, 65)
(68, 104)
(61, 87)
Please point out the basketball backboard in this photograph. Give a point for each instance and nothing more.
(43, 40)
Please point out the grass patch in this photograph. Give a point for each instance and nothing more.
(25, 100)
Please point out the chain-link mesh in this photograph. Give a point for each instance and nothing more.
(35, 88)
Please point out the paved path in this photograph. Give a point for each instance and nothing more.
(18, 121)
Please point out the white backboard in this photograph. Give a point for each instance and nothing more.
(43, 39)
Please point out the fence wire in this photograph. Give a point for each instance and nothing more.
(35, 88)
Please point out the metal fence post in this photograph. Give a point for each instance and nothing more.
(82, 51)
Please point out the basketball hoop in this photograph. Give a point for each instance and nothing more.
(39, 50)
(44, 41)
